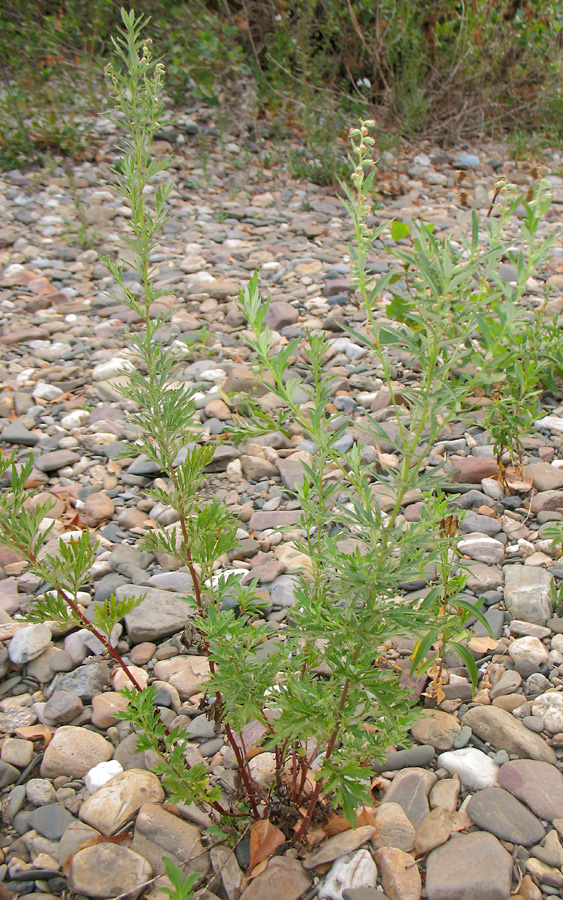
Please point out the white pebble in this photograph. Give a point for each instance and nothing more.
(528, 648)
(550, 423)
(354, 871)
(76, 418)
(44, 391)
(101, 774)
(548, 708)
(216, 376)
(475, 768)
(115, 366)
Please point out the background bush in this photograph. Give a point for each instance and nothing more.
(446, 68)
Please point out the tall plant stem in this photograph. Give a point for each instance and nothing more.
(306, 822)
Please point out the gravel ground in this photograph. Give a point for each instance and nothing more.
(474, 810)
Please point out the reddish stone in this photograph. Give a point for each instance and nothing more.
(471, 469)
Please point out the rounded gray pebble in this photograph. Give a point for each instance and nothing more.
(463, 738)
(532, 723)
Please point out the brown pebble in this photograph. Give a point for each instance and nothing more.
(97, 508)
(141, 653)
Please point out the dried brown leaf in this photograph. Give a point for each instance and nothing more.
(482, 644)
(314, 836)
(265, 839)
(366, 817)
(518, 479)
(336, 825)
(258, 869)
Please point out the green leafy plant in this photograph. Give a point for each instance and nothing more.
(199, 342)
(166, 419)
(448, 610)
(525, 354)
(328, 699)
(348, 605)
(445, 306)
(321, 165)
(204, 146)
(87, 236)
(182, 886)
(283, 692)
(64, 567)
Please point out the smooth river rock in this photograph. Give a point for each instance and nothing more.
(529, 593)
(437, 728)
(497, 811)
(113, 804)
(159, 615)
(503, 731)
(410, 789)
(537, 784)
(74, 751)
(158, 833)
(108, 870)
(469, 867)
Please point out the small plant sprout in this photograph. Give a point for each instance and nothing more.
(182, 885)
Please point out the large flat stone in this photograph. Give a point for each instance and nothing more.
(503, 731)
(108, 870)
(471, 469)
(158, 833)
(74, 751)
(263, 519)
(528, 593)
(497, 811)
(547, 501)
(469, 867)
(339, 845)
(410, 789)
(482, 577)
(284, 877)
(536, 783)
(159, 615)
(110, 807)
(56, 459)
(546, 477)
(437, 728)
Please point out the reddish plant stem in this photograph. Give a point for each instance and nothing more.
(92, 628)
(101, 637)
(305, 824)
(241, 765)
(294, 793)
(280, 756)
(240, 758)
(303, 778)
